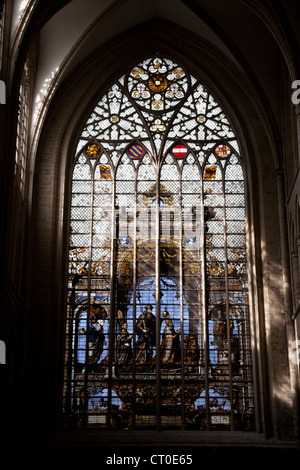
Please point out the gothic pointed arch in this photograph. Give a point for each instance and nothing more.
(158, 324)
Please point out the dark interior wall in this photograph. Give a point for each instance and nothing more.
(46, 268)
(36, 324)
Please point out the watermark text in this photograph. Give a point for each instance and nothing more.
(296, 94)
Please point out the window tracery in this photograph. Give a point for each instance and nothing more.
(158, 332)
(22, 130)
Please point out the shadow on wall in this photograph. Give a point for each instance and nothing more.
(2, 352)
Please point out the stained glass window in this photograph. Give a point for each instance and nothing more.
(158, 325)
(22, 130)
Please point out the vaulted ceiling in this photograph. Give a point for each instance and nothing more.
(255, 35)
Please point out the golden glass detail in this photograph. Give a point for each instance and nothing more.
(105, 172)
(157, 83)
(210, 172)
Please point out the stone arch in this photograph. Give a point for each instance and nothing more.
(54, 147)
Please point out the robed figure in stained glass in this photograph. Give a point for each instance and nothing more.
(145, 329)
(170, 347)
(124, 349)
(96, 335)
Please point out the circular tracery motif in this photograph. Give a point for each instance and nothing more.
(160, 83)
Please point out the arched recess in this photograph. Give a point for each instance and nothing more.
(51, 171)
(294, 257)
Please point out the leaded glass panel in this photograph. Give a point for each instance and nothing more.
(158, 328)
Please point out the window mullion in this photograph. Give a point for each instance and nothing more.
(113, 250)
(72, 354)
(227, 299)
(204, 285)
(157, 297)
(89, 280)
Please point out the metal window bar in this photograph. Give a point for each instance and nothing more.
(133, 412)
(86, 371)
(113, 250)
(227, 299)
(180, 242)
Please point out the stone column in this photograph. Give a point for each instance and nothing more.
(297, 112)
(287, 309)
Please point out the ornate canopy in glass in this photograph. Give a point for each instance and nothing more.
(158, 328)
